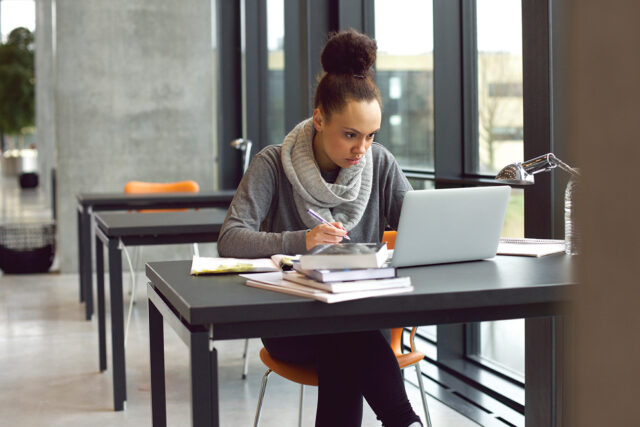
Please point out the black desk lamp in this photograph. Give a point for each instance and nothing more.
(521, 173)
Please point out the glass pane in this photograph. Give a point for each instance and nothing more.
(275, 71)
(500, 114)
(17, 13)
(514, 219)
(502, 345)
(421, 184)
(404, 74)
(430, 332)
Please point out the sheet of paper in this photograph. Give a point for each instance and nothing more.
(210, 265)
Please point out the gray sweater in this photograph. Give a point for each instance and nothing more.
(262, 219)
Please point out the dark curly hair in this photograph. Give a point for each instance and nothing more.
(347, 60)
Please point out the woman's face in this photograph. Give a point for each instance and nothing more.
(343, 140)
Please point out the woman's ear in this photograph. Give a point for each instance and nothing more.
(318, 119)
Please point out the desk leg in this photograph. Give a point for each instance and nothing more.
(102, 340)
(86, 264)
(203, 382)
(156, 350)
(544, 371)
(117, 326)
(80, 256)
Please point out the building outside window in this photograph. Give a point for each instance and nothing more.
(275, 71)
(404, 74)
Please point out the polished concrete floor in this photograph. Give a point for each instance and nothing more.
(49, 359)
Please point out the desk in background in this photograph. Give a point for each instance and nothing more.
(135, 229)
(88, 203)
(204, 309)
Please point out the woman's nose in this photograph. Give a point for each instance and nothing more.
(360, 147)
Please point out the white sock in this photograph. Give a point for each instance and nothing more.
(416, 424)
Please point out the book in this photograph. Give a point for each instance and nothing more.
(275, 282)
(529, 247)
(221, 265)
(345, 255)
(340, 275)
(350, 285)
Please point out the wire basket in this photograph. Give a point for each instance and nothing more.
(27, 248)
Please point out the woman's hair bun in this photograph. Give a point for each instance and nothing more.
(349, 52)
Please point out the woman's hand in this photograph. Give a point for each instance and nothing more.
(324, 234)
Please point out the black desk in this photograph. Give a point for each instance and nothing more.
(208, 308)
(94, 202)
(132, 228)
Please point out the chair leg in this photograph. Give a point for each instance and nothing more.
(263, 387)
(301, 405)
(245, 355)
(423, 395)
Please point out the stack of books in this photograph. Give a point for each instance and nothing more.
(334, 273)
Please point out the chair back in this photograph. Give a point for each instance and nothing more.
(137, 187)
(140, 187)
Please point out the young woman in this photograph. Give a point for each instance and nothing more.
(331, 164)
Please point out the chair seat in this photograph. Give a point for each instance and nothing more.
(297, 372)
(408, 359)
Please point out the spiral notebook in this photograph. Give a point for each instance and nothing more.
(530, 247)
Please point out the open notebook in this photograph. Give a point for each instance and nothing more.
(212, 265)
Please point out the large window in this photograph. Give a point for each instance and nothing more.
(500, 107)
(275, 71)
(500, 142)
(404, 73)
(461, 88)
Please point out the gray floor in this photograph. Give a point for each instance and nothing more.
(49, 360)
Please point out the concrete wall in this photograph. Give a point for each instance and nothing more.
(133, 100)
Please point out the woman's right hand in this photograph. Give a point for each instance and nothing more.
(324, 234)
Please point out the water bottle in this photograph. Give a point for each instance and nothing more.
(571, 238)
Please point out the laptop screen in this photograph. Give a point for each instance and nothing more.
(450, 225)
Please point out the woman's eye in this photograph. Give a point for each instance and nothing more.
(350, 135)
(372, 135)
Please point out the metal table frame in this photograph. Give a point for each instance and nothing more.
(146, 229)
(89, 203)
(508, 287)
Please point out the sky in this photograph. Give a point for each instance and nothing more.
(16, 13)
(403, 27)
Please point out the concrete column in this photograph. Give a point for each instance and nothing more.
(45, 79)
(133, 99)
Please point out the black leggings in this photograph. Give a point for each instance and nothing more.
(350, 366)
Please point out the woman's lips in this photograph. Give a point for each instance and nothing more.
(354, 161)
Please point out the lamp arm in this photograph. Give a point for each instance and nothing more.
(562, 165)
(545, 163)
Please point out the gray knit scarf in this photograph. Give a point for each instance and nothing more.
(343, 201)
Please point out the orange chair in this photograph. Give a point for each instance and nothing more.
(140, 187)
(306, 374)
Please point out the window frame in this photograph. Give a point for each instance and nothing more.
(307, 23)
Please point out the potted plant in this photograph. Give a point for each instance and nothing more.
(17, 93)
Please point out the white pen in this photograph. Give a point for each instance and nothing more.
(324, 221)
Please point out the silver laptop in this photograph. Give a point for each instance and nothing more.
(450, 225)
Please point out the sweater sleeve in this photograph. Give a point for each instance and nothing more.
(240, 236)
(395, 186)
